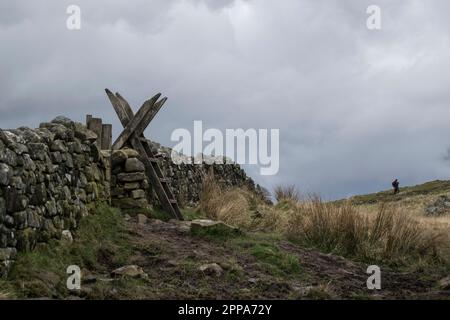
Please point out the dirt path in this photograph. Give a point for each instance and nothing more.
(171, 257)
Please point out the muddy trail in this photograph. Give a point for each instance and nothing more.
(179, 265)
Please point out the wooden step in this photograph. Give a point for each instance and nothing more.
(134, 125)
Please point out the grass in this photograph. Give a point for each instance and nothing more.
(391, 236)
(236, 206)
(270, 254)
(263, 247)
(289, 192)
(100, 244)
(387, 235)
(428, 188)
(190, 214)
(219, 232)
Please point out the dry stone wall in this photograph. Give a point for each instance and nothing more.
(130, 188)
(186, 180)
(48, 177)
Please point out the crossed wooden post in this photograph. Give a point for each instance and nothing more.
(133, 134)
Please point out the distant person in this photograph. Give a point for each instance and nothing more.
(395, 185)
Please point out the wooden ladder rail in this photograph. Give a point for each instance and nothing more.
(141, 144)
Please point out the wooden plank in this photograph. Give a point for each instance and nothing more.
(149, 117)
(138, 121)
(125, 105)
(120, 110)
(106, 136)
(95, 125)
(166, 187)
(131, 127)
(158, 187)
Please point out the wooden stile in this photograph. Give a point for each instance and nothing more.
(134, 126)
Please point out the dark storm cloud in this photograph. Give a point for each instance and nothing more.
(355, 107)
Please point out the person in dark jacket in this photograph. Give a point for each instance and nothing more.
(395, 185)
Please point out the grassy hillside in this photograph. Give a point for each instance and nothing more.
(412, 200)
(429, 189)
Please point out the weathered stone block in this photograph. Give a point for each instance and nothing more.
(131, 153)
(38, 151)
(84, 134)
(118, 157)
(21, 219)
(8, 156)
(128, 203)
(51, 209)
(2, 209)
(131, 186)
(131, 177)
(40, 195)
(134, 165)
(64, 121)
(28, 163)
(138, 194)
(34, 219)
(5, 174)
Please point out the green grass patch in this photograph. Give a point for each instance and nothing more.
(100, 245)
(218, 232)
(191, 214)
(271, 258)
(270, 254)
(158, 213)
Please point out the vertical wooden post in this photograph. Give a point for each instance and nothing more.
(95, 124)
(106, 137)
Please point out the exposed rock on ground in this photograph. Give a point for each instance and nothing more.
(130, 271)
(439, 207)
(202, 226)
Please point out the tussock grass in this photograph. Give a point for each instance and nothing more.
(231, 206)
(388, 235)
(288, 192)
(237, 207)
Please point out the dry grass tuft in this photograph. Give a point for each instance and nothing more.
(387, 235)
(390, 235)
(289, 193)
(236, 206)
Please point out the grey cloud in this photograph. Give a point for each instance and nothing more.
(355, 108)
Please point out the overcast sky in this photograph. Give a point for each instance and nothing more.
(355, 107)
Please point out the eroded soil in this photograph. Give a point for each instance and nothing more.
(170, 256)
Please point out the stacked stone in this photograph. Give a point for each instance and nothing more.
(47, 177)
(130, 187)
(186, 180)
